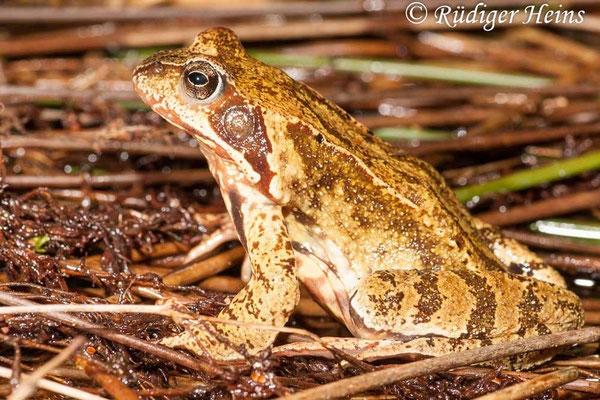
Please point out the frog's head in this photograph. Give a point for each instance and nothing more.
(229, 101)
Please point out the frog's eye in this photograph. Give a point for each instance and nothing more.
(198, 79)
(201, 80)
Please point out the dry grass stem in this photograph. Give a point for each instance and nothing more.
(534, 386)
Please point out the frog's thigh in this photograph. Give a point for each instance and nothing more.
(460, 304)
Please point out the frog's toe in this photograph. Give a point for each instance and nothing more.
(178, 341)
(201, 345)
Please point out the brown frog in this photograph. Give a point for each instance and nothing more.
(379, 240)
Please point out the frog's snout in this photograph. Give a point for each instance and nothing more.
(153, 80)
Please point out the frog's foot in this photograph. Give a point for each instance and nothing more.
(223, 339)
(245, 326)
(176, 341)
(373, 350)
(517, 258)
(200, 337)
(363, 349)
(198, 340)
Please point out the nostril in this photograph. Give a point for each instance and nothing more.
(151, 68)
(157, 67)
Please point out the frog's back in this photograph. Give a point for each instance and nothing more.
(383, 211)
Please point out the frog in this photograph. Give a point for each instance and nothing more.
(374, 234)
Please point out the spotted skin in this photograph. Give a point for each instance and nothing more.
(378, 239)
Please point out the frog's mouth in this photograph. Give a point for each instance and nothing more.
(149, 88)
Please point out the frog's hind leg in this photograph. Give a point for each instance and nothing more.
(447, 310)
(516, 257)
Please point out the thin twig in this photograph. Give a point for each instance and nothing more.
(30, 343)
(97, 329)
(573, 263)
(63, 14)
(551, 242)
(145, 34)
(579, 385)
(57, 387)
(29, 384)
(507, 139)
(544, 208)
(163, 249)
(108, 381)
(184, 176)
(458, 175)
(91, 14)
(15, 379)
(225, 233)
(534, 386)
(424, 96)
(556, 43)
(157, 309)
(99, 308)
(584, 362)
(463, 115)
(203, 269)
(103, 145)
(23, 94)
(100, 197)
(361, 383)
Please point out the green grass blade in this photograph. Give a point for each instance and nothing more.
(424, 71)
(533, 177)
(132, 105)
(402, 133)
(413, 70)
(290, 60)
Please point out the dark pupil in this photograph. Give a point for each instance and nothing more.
(198, 79)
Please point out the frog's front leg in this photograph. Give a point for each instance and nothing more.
(273, 291)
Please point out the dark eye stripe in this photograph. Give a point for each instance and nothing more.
(201, 80)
